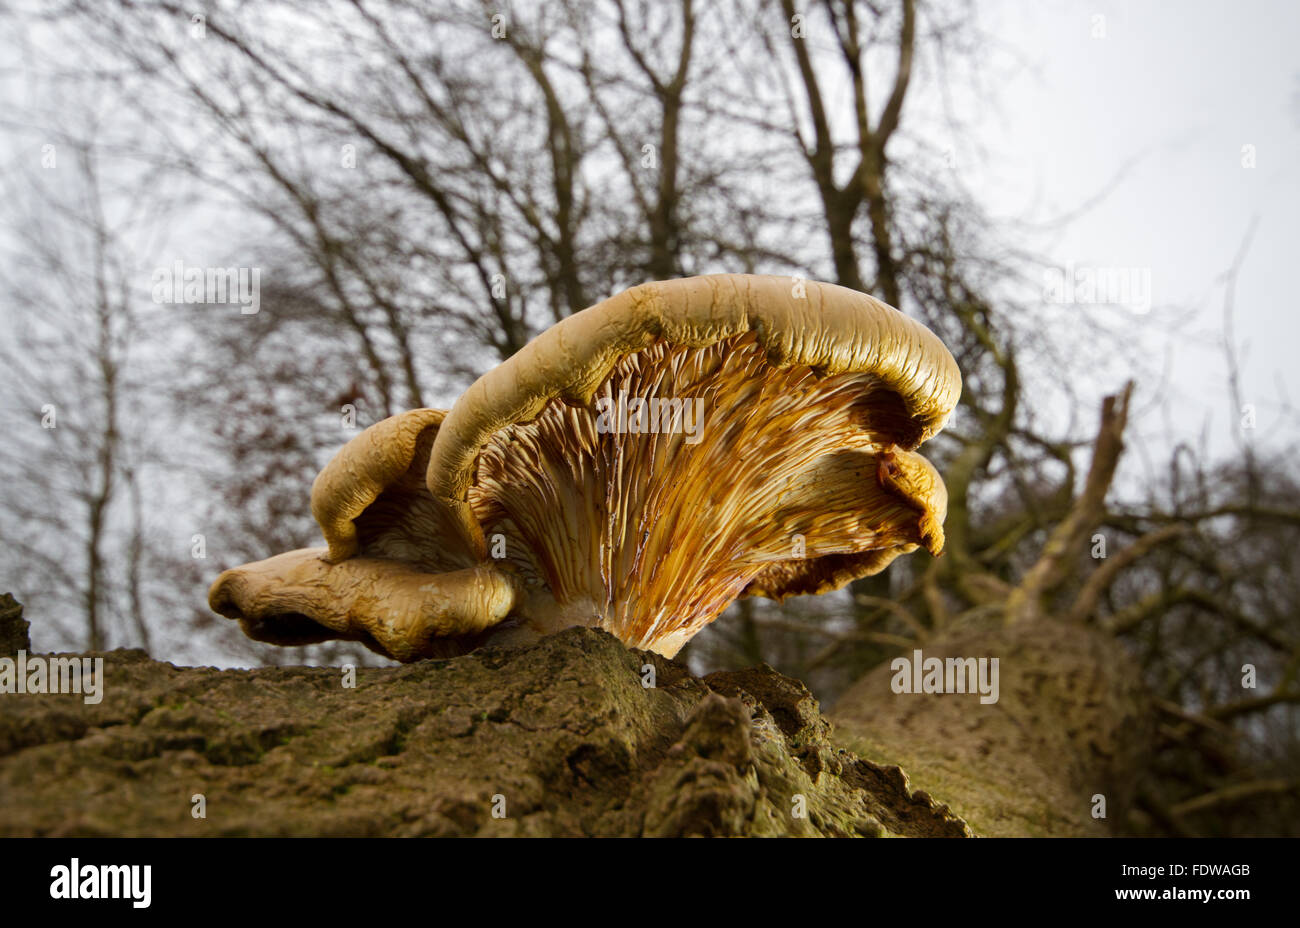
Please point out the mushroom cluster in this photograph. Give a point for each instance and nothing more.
(636, 467)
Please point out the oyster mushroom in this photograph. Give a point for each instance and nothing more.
(636, 467)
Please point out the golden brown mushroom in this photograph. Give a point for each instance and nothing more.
(636, 467)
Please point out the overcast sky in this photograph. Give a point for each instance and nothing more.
(1151, 103)
(1173, 91)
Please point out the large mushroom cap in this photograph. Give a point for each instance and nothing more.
(636, 467)
(800, 477)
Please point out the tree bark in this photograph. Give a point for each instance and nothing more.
(575, 735)
(1069, 725)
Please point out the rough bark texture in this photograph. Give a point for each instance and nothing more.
(13, 627)
(1071, 722)
(564, 732)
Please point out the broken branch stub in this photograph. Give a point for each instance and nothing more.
(636, 467)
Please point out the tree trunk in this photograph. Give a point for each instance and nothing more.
(1069, 725)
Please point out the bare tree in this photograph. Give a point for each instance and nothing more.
(67, 477)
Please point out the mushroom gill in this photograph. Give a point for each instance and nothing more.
(636, 467)
(694, 473)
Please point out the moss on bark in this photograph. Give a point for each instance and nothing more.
(561, 738)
